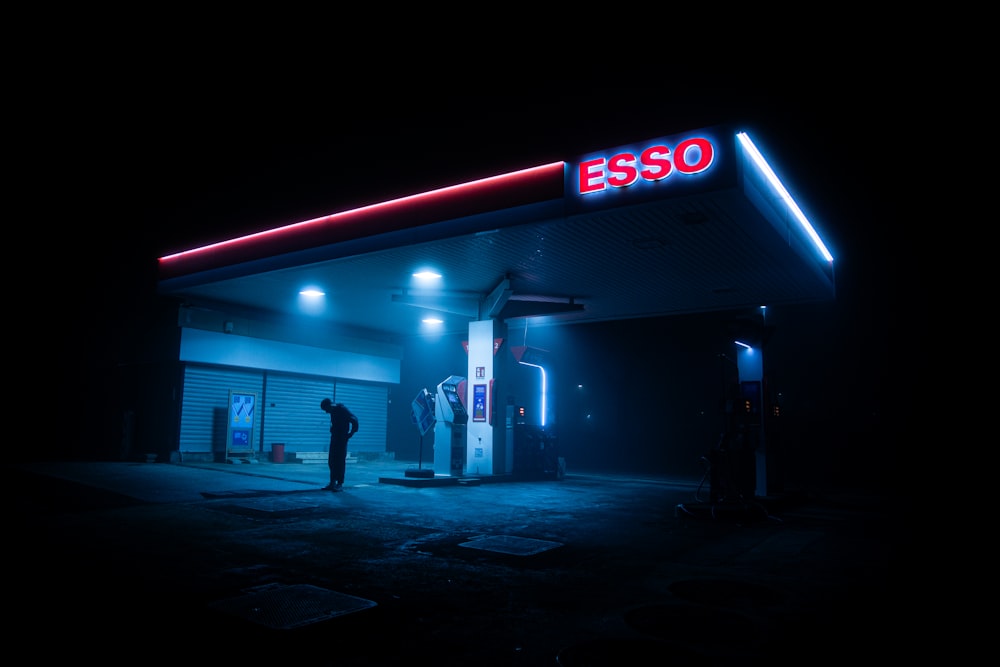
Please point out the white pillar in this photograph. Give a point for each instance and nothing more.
(486, 339)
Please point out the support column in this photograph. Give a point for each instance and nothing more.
(486, 452)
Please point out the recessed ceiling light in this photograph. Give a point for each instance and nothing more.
(312, 292)
(426, 275)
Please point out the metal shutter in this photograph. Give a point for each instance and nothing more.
(370, 403)
(292, 414)
(205, 406)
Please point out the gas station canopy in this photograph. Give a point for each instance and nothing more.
(690, 223)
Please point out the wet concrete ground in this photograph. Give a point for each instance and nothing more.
(127, 563)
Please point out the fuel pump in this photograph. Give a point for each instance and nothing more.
(536, 454)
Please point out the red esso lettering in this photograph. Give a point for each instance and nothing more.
(591, 176)
(653, 164)
(621, 170)
(657, 162)
(698, 149)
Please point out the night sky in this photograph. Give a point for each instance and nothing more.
(181, 161)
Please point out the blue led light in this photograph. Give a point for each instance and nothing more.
(772, 178)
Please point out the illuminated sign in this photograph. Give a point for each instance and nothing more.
(479, 403)
(240, 440)
(654, 163)
(422, 411)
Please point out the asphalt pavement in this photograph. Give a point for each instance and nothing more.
(253, 563)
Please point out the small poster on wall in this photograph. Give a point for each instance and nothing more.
(241, 425)
(479, 403)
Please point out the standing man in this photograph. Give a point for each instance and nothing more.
(343, 426)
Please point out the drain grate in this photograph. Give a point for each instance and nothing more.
(508, 544)
(286, 607)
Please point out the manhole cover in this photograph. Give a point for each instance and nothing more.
(286, 607)
(508, 544)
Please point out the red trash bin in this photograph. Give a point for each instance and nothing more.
(277, 452)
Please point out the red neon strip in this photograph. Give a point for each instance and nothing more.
(516, 188)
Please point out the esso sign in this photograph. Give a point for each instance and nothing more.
(691, 156)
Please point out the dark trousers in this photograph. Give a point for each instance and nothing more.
(337, 460)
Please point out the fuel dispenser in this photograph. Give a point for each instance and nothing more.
(536, 452)
(450, 434)
(732, 473)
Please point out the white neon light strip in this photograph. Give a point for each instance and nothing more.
(789, 202)
(544, 391)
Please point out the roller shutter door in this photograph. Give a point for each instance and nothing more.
(205, 405)
(292, 414)
(371, 405)
(288, 410)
